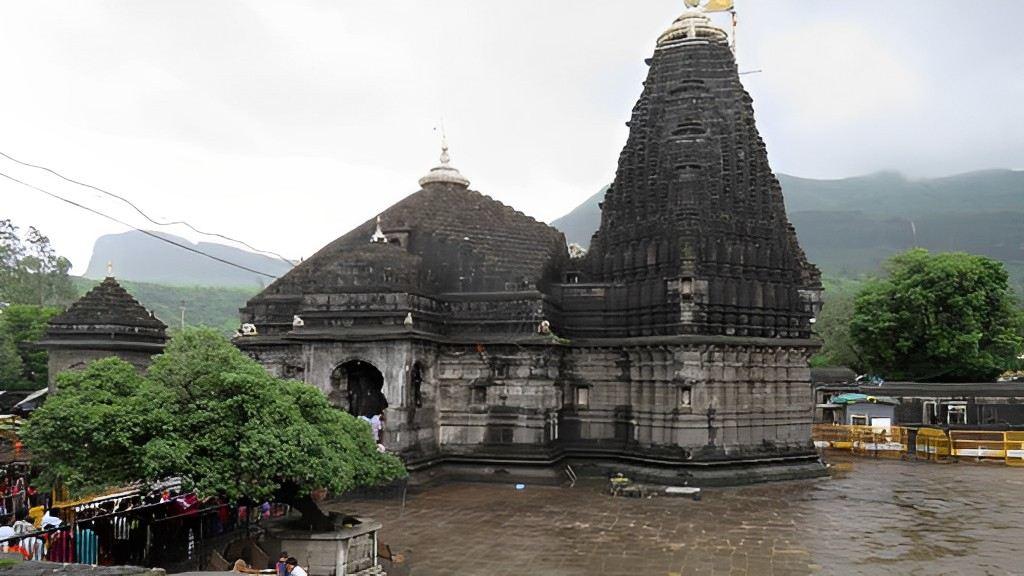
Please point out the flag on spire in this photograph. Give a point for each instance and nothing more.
(719, 5)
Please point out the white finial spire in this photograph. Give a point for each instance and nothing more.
(445, 158)
(445, 173)
(378, 235)
(110, 269)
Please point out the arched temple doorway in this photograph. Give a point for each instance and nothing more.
(358, 387)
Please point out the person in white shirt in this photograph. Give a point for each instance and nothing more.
(376, 424)
(293, 568)
(51, 520)
(6, 533)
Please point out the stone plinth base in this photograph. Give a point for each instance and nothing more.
(554, 470)
(350, 551)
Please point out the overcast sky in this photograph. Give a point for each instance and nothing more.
(286, 123)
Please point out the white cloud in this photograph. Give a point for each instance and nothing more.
(287, 123)
(831, 75)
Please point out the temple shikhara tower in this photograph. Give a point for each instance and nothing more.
(677, 347)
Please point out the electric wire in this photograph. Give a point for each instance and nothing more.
(146, 232)
(140, 211)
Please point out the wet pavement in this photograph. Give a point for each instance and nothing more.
(871, 517)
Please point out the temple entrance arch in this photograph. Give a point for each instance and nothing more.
(358, 388)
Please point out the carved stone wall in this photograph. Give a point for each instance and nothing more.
(495, 398)
(694, 237)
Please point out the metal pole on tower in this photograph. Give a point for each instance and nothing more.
(733, 14)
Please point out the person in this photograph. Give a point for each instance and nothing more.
(292, 565)
(24, 525)
(61, 547)
(30, 543)
(376, 425)
(16, 547)
(35, 514)
(6, 534)
(282, 561)
(50, 519)
(243, 567)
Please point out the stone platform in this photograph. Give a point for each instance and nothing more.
(349, 551)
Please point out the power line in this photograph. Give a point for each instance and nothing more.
(139, 210)
(146, 232)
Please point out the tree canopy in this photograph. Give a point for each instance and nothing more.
(31, 272)
(207, 413)
(833, 326)
(23, 366)
(938, 317)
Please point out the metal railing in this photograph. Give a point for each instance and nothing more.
(161, 534)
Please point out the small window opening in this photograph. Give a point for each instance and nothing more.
(479, 394)
(684, 397)
(417, 385)
(582, 396)
(956, 414)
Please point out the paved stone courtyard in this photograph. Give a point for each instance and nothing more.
(871, 517)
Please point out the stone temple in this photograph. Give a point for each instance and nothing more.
(106, 322)
(677, 347)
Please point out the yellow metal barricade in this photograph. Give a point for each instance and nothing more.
(831, 436)
(979, 445)
(1015, 448)
(876, 442)
(929, 443)
(932, 444)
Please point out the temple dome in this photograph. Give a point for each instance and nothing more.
(444, 173)
(444, 239)
(692, 25)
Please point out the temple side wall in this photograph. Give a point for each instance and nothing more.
(497, 397)
(62, 359)
(673, 402)
(690, 401)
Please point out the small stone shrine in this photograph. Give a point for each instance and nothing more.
(106, 322)
(678, 345)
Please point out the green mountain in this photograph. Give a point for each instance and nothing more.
(216, 307)
(849, 226)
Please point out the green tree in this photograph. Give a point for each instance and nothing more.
(31, 272)
(833, 328)
(941, 317)
(205, 412)
(22, 326)
(11, 366)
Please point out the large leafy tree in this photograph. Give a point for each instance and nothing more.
(205, 412)
(11, 365)
(938, 317)
(21, 326)
(31, 272)
(833, 327)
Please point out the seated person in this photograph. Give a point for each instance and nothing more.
(243, 567)
(292, 565)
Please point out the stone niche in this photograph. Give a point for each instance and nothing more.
(349, 551)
